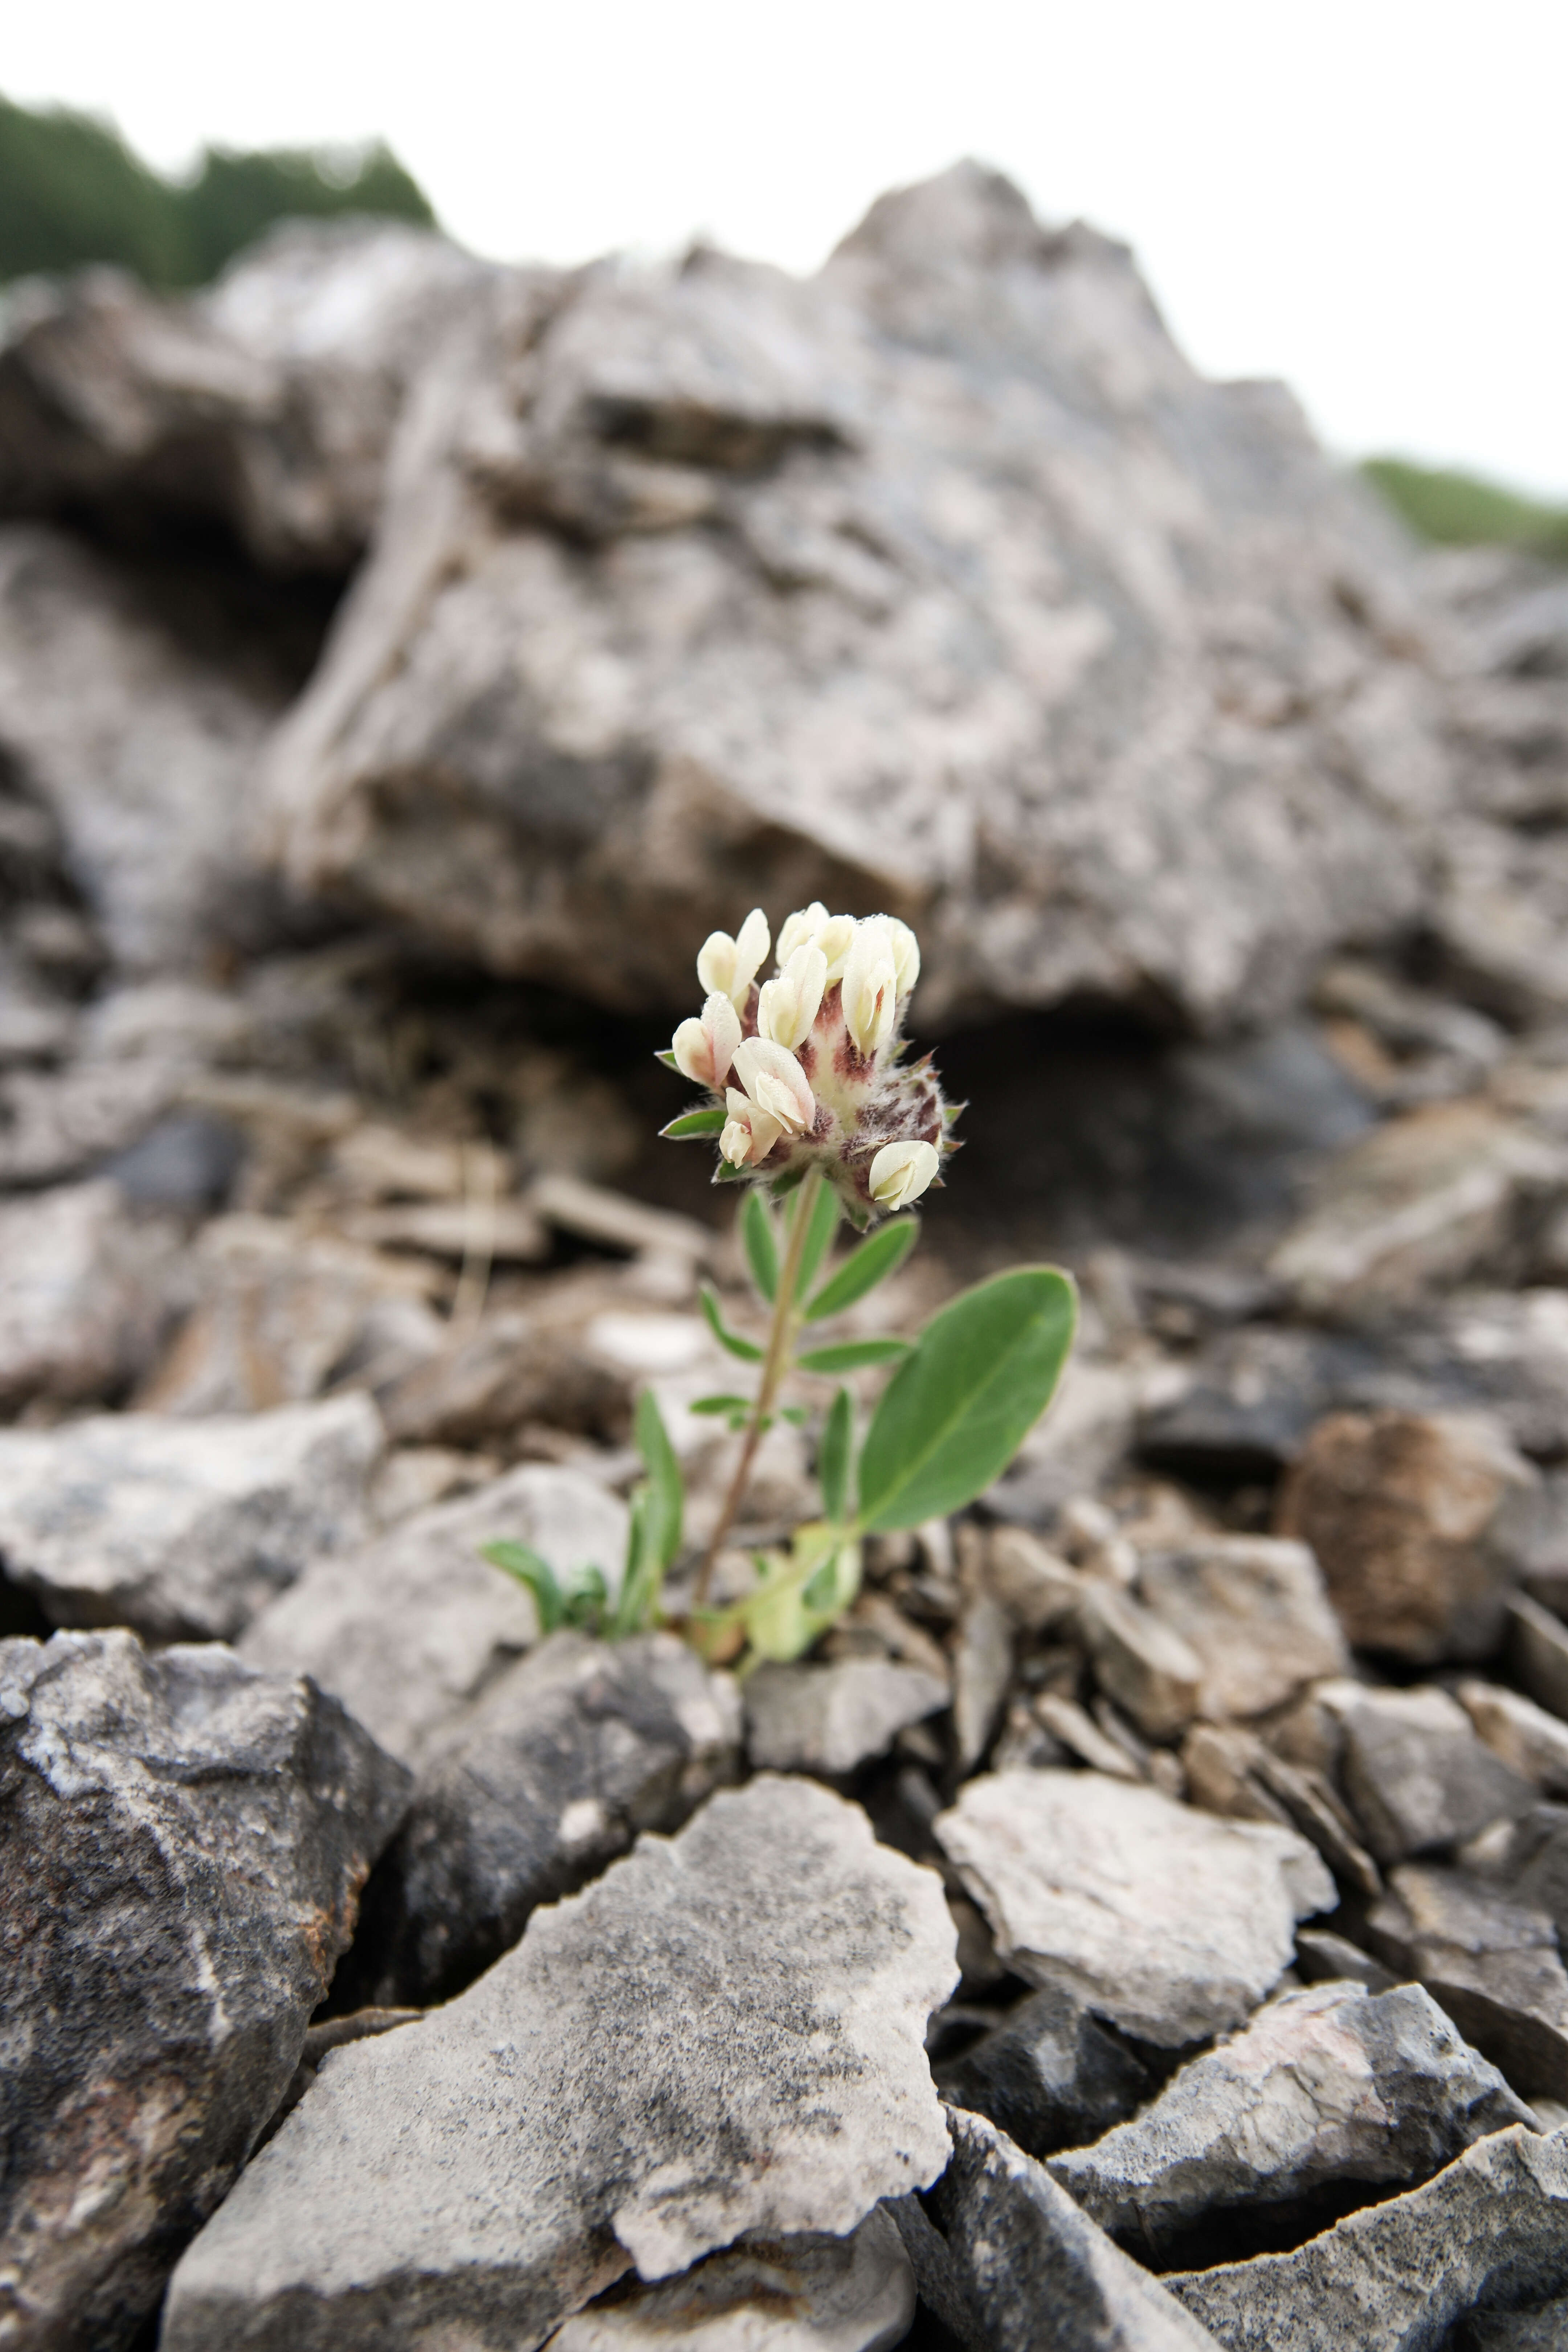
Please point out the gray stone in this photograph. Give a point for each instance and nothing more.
(181, 1528)
(1255, 1614)
(1322, 1957)
(1409, 1515)
(1050, 2075)
(1542, 2330)
(1171, 1923)
(83, 1291)
(982, 1672)
(1538, 1649)
(1331, 2085)
(410, 1630)
(828, 1719)
(1229, 1770)
(1139, 1660)
(547, 1777)
(721, 2035)
(1492, 1962)
(1523, 1736)
(1533, 1865)
(789, 541)
(182, 1845)
(1493, 2226)
(1417, 1776)
(782, 2295)
(1001, 2253)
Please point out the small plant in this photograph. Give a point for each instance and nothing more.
(825, 1122)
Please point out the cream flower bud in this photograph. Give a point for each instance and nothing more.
(728, 966)
(788, 1006)
(705, 1047)
(870, 985)
(900, 1174)
(799, 930)
(835, 939)
(906, 954)
(749, 1133)
(814, 927)
(776, 1084)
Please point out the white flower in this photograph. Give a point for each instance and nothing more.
(815, 927)
(776, 1084)
(749, 1133)
(900, 1173)
(788, 1006)
(799, 930)
(871, 984)
(705, 1047)
(728, 966)
(906, 953)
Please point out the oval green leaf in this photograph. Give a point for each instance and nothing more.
(695, 1123)
(819, 1233)
(833, 1457)
(953, 1415)
(850, 1354)
(760, 1245)
(668, 1492)
(864, 1268)
(747, 1352)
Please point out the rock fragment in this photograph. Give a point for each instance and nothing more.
(1490, 2229)
(723, 2035)
(1415, 1774)
(784, 2295)
(1489, 1959)
(807, 1719)
(1331, 2085)
(1050, 2075)
(410, 1629)
(182, 1845)
(1000, 2252)
(1168, 1921)
(1521, 1734)
(1254, 1612)
(1409, 1515)
(182, 1528)
(549, 1775)
(82, 1293)
(1140, 1661)
(1537, 1646)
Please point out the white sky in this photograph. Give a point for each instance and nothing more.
(1367, 197)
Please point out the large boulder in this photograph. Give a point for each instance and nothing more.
(939, 581)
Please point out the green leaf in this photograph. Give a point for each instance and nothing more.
(864, 1268)
(744, 1348)
(517, 1559)
(667, 1057)
(850, 1354)
(797, 1414)
(668, 1490)
(819, 1233)
(761, 1246)
(640, 1581)
(834, 1455)
(724, 1174)
(720, 1404)
(693, 1123)
(953, 1415)
(801, 1596)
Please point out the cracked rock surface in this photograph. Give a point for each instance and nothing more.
(722, 2034)
(182, 1846)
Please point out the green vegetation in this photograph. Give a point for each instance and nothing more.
(1458, 511)
(72, 192)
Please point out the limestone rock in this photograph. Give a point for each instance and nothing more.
(1537, 1647)
(1139, 1660)
(1521, 1734)
(1050, 2075)
(1407, 1514)
(411, 1629)
(82, 1293)
(546, 1777)
(181, 1528)
(1255, 1614)
(721, 2035)
(999, 2251)
(788, 542)
(828, 1719)
(1491, 1959)
(1417, 1776)
(1170, 1922)
(1493, 2228)
(784, 2295)
(1533, 1865)
(1333, 2083)
(182, 1845)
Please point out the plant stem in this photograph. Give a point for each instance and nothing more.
(776, 1363)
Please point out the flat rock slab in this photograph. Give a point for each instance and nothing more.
(1051, 2076)
(1171, 1922)
(410, 1629)
(1493, 2228)
(1492, 1962)
(1333, 2083)
(182, 1846)
(1009, 2264)
(1255, 1612)
(548, 1777)
(80, 1304)
(787, 2295)
(831, 1718)
(724, 2033)
(1417, 1776)
(181, 1529)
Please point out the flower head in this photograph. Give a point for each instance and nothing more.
(811, 1065)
